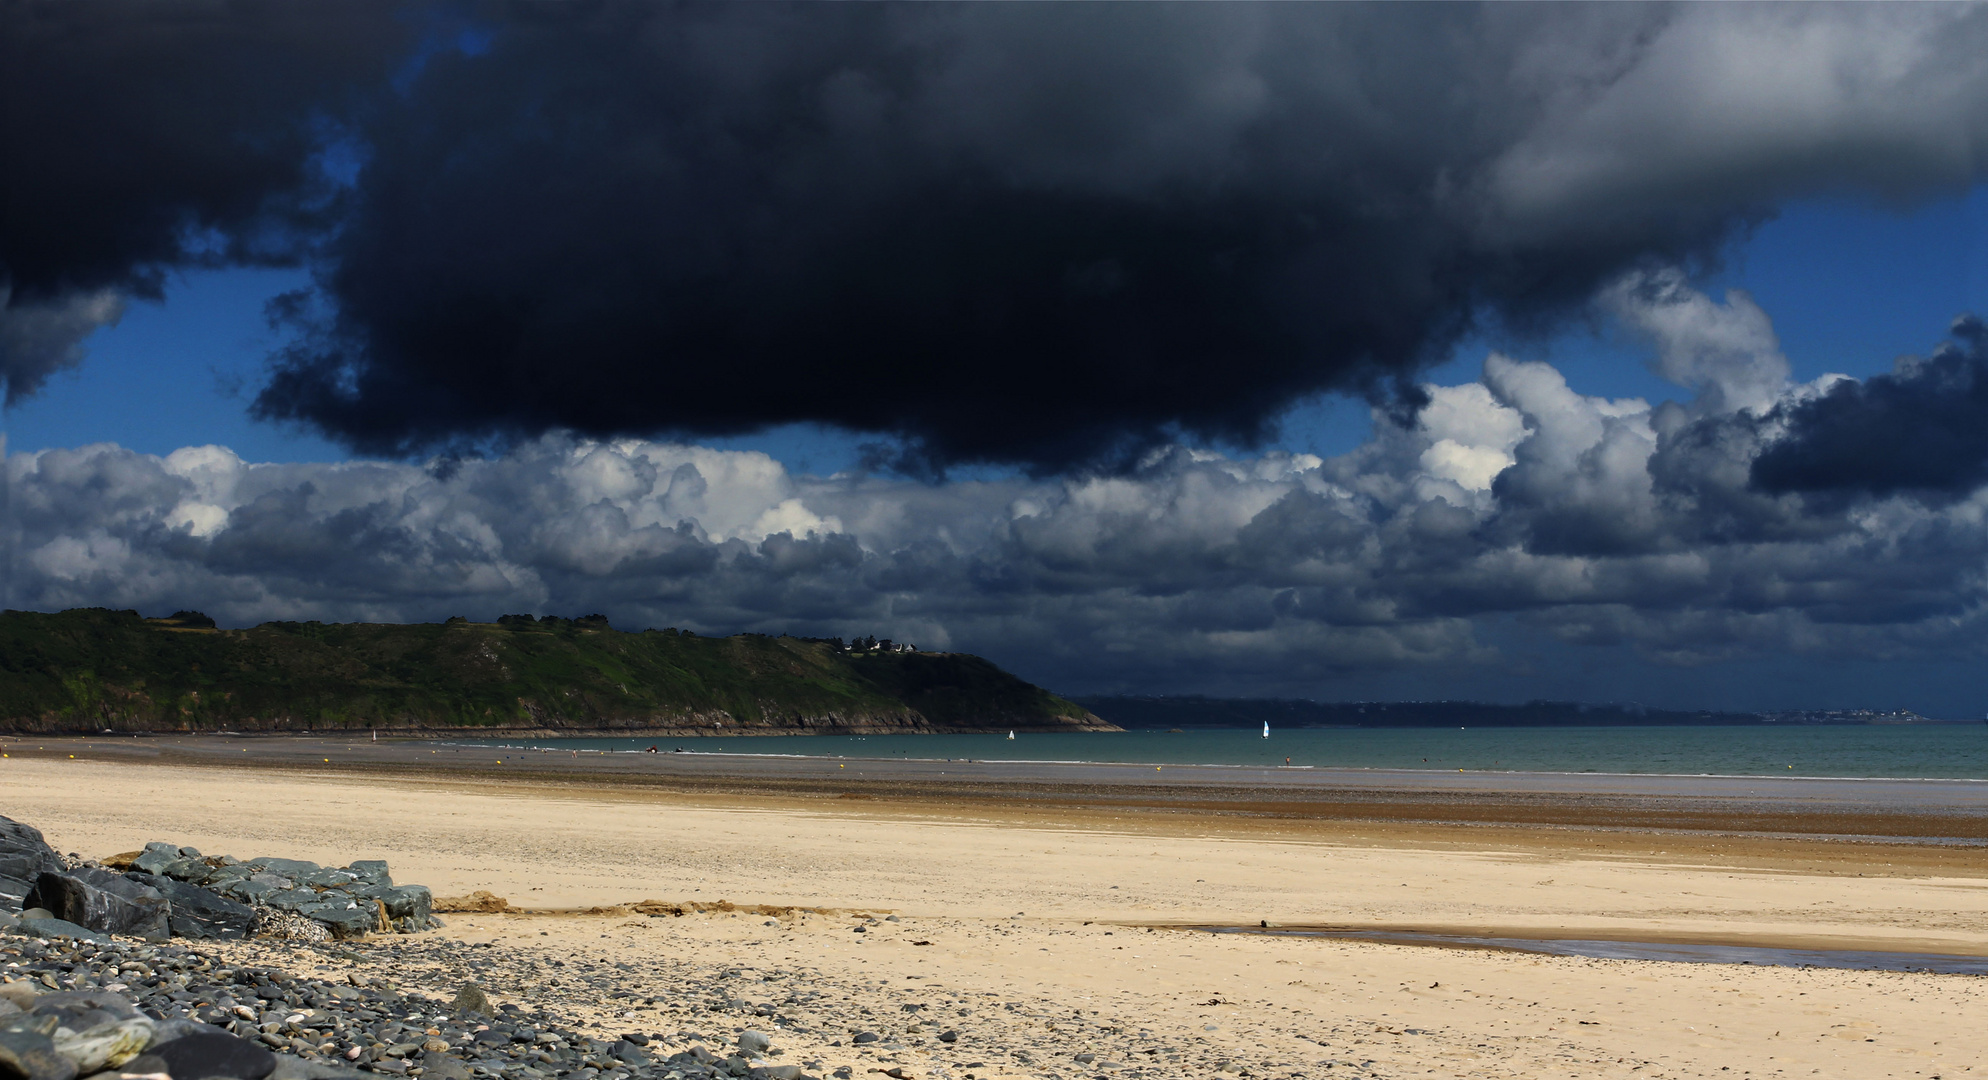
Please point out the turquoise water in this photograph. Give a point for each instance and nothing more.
(1915, 751)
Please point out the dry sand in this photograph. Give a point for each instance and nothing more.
(1035, 921)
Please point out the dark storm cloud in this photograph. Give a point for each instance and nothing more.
(1037, 234)
(1923, 428)
(141, 137)
(1513, 510)
(1047, 234)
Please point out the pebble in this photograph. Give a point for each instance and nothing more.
(173, 1010)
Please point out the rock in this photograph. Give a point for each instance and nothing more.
(948, 1036)
(470, 999)
(211, 1054)
(250, 890)
(416, 902)
(346, 918)
(293, 869)
(778, 1072)
(189, 869)
(112, 1042)
(24, 857)
(442, 1067)
(145, 1065)
(202, 913)
(165, 1031)
(103, 901)
(629, 1052)
(864, 1037)
(329, 878)
(290, 1068)
(156, 857)
(371, 871)
(291, 899)
(28, 1051)
(58, 928)
(754, 1042)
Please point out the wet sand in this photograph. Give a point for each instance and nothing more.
(1063, 893)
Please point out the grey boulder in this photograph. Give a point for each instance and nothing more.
(410, 902)
(294, 869)
(345, 918)
(57, 928)
(201, 913)
(103, 901)
(27, 1049)
(156, 857)
(436, 1066)
(208, 1054)
(24, 857)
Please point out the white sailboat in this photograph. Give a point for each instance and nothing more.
(1266, 729)
(1011, 736)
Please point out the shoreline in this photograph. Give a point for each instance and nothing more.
(1929, 815)
(1036, 904)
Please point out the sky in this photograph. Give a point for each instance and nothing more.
(1610, 353)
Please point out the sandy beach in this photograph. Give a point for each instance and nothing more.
(1059, 916)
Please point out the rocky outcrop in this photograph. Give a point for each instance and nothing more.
(171, 891)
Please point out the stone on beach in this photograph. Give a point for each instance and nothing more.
(215, 1054)
(202, 913)
(24, 858)
(103, 901)
(472, 999)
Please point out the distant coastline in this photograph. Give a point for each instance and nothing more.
(1146, 713)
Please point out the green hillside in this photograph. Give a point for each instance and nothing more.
(90, 669)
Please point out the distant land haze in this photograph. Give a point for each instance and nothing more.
(92, 669)
(1147, 713)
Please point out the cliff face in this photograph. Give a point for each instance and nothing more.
(95, 669)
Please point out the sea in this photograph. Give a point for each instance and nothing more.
(1894, 751)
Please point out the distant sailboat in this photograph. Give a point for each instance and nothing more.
(1011, 736)
(1266, 729)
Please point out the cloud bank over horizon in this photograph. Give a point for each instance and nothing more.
(1055, 237)
(1516, 508)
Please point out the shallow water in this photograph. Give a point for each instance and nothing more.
(1909, 751)
(1853, 959)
